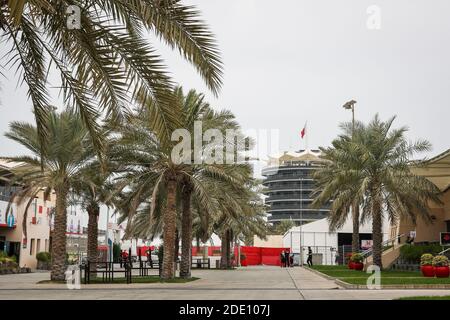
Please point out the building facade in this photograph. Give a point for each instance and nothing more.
(12, 237)
(289, 185)
(437, 170)
(39, 224)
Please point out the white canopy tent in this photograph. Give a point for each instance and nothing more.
(317, 235)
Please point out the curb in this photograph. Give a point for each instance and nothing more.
(320, 274)
(350, 286)
(393, 286)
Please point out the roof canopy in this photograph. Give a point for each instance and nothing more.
(436, 169)
(292, 156)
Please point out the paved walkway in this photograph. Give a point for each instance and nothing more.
(244, 283)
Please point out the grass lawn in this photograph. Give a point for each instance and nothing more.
(148, 279)
(425, 298)
(387, 277)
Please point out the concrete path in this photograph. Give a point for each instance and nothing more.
(249, 283)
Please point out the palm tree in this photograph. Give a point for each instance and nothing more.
(68, 151)
(92, 189)
(238, 215)
(378, 162)
(106, 61)
(169, 186)
(284, 226)
(335, 183)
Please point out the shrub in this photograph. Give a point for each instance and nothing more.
(5, 258)
(440, 261)
(412, 253)
(43, 256)
(356, 257)
(426, 259)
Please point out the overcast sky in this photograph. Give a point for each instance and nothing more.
(287, 62)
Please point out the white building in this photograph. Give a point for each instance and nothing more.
(318, 236)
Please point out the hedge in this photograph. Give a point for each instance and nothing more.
(412, 253)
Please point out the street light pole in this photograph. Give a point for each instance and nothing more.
(355, 217)
(351, 105)
(108, 253)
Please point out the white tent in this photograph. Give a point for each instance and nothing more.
(318, 236)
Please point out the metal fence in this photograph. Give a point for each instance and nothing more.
(108, 271)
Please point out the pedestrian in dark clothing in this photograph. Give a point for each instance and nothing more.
(286, 258)
(309, 261)
(282, 259)
(291, 259)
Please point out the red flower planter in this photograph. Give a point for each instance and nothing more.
(358, 266)
(442, 272)
(427, 271)
(351, 265)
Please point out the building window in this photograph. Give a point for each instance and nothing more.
(32, 249)
(38, 245)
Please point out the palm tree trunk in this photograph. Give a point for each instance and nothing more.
(223, 250)
(186, 236)
(230, 247)
(176, 250)
(169, 220)
(355, 234)
(377, 231)
(93, 211)
(59, 235)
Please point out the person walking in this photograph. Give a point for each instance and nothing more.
(309, 261)
(286, 258)
(282, 260)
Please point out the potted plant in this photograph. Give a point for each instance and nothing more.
(348, 257)
(243, 260)
(440, 264)
(426, 265)
(357, 260)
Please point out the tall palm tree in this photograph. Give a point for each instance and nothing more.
(68, 151)
(168, 185)
(105, 59)
(377, 165)
(335, 183)
(92, 189)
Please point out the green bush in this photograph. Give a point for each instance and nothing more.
(412, 253)
(356, 257)
(440, 261)
(5, 258)
(426, 259)
(43, 256)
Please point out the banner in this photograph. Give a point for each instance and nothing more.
(8, 219)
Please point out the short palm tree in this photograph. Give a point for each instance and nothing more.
(105, 59)
(68, 151)
(377, 166)
(284, 226)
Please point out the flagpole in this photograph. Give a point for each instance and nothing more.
(306, 136)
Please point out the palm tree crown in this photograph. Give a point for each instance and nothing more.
(108, 61)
